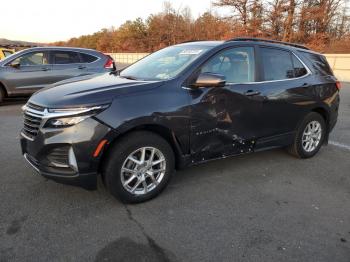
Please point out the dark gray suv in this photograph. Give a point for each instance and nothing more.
(24, 72)
(183, 105)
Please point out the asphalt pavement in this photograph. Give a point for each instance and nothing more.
(267, 206)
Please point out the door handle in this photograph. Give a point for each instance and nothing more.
(252, 93)
(81, 67)
(45, 69)
(305, 85)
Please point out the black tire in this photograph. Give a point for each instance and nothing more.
(112, 174)
(2, 95)
(297, 148)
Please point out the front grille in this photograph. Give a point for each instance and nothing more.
(36, 107)
(32, 117)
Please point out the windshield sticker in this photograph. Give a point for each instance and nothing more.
(162, 76)
(191, 52)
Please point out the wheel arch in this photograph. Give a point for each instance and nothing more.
(326, 116)
(160, 130)
(324, 113)
(3, 88)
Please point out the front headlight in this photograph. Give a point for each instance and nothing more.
(65, 122)
(66, 117)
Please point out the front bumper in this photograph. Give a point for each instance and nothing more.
(65, 155)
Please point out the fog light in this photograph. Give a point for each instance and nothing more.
(58, 157)
(72, 160)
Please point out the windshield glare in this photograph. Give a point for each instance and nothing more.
(164, 64)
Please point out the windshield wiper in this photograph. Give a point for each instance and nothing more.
(129, 77)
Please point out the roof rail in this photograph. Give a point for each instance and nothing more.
(190, 41)
(268, 41)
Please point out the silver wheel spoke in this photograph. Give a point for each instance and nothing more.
(158, 170)
(137, 162)
(307, 146)
(158, 161)
(135, 186)
(127, 182)
(152, 155)
(154, 181)
(143, 155)
(129, 170)
(145, 186)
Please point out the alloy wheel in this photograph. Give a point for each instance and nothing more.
(143, 170)
(311, 136)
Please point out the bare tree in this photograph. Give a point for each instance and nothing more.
(274, 17)
(240, 6)
(288, 24)
(320, 24)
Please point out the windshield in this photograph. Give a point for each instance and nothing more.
(164, 64)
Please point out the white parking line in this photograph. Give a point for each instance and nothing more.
(334, 143)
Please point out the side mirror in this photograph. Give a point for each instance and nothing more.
(210, 80)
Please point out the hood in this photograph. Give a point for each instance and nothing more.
(89, 90)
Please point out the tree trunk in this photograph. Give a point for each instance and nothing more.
(288, 25)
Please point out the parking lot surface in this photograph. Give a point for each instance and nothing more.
(267, 206)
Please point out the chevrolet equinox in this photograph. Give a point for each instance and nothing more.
(183, 105)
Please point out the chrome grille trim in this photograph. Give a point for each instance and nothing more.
(35, 107)
(30, 124)
(27, 157)
(32, 120)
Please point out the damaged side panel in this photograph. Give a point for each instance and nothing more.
(219, 126)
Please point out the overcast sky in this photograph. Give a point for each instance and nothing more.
(52, 20)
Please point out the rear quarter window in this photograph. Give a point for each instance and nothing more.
(299, 69)
(65, 57)
(87, 58)
(318, 63)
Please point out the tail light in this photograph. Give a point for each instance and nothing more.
(338, 85)
(110, 63)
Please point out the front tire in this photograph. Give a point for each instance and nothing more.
(2, 95)
(139, 167)
(309, 137)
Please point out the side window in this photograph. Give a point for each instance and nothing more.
(32, 59)
(319, 63)
(277, 64)
(87, 58)
(65, 57)
(236, 64)
(299, 69)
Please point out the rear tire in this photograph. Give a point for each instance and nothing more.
(131, 173)
(309, 137)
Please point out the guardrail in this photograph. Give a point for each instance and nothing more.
(127, 58)
(340, 63)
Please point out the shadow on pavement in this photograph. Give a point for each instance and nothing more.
(14, 101)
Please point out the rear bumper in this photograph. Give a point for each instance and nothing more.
(334, 108)
(66, 155)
